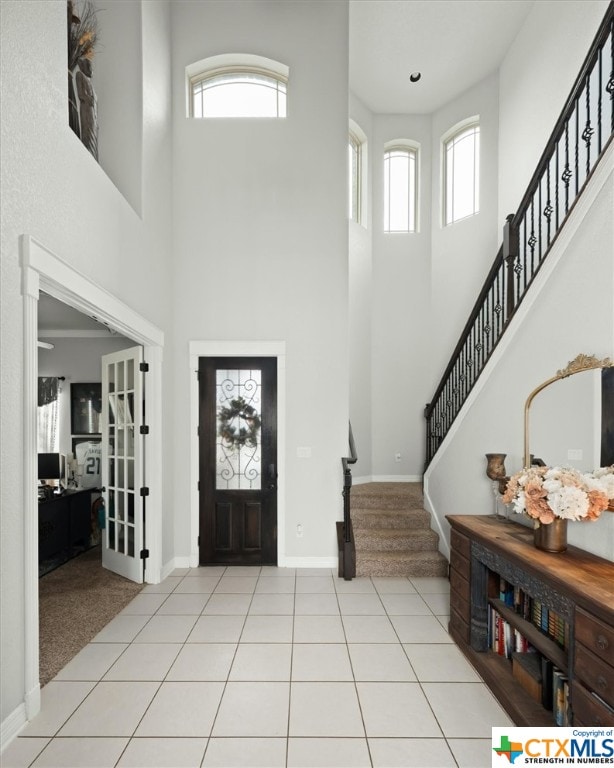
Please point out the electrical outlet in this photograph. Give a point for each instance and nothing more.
(574, 454)
(299, 531)
(397, 457)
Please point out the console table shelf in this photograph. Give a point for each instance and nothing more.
(533, 635)
(574, 588)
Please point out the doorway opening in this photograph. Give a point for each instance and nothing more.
(44, 271)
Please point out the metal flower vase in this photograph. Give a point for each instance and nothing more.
(551, 537)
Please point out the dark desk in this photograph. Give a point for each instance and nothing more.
(64, 527)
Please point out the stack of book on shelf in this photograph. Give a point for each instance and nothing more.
(540, 678)
(546, 620)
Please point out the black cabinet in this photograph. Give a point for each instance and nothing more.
(64, 527)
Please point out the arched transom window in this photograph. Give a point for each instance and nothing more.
(461, 162)
(357, 181)
(400, 187)
(239, 86)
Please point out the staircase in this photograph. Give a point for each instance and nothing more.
(392, 532)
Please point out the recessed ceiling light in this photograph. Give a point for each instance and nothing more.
(415, 76)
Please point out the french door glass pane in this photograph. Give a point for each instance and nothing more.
(121, 474)
(238, 430)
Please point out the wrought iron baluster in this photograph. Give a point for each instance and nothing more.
(531, 242)
(567, 172)
(548, 209)
(539, 227)
(556, 186)
(577, 162)
(610, 86)
(599, 100)
(588, 131)
(500, 279)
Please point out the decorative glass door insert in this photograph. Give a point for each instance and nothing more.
(238, 458)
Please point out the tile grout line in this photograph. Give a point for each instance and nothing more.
(219, 704)
(167, 672)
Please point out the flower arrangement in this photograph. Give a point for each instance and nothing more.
(546, 493)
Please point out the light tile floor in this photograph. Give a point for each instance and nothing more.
(267, 668)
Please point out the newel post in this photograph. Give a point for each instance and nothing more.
(510, 255)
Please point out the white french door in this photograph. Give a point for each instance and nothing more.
(122, 462)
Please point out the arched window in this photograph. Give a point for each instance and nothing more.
(238, 85)
(461, 171)
(400, 186)
(357, 150)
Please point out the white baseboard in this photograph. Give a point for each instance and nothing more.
(386, 479)
(308, 562)
(397, 478)
(183, 561)
(436, 525)
(12, 725)
(284, 562)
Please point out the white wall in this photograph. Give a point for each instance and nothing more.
(261, 239)
(401, 311)
(543, 343)
(54, 190)
(535, 80)
(360, 303)
(462, 253)
(118, 82)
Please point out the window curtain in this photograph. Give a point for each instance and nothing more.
(48, 414)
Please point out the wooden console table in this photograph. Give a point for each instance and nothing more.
(575, 586)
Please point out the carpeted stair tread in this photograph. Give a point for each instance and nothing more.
(377, 495)
(401, 563)
(390, 518)
(387, 539)
(392, 532)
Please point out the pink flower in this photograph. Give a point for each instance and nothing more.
(597, 502)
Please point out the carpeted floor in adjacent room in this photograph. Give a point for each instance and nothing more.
(76, 601)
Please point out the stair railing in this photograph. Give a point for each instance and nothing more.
(345, 534)
(580, 138)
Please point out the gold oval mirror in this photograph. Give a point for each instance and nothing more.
(577, 405)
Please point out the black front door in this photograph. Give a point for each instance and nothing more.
(238, 460)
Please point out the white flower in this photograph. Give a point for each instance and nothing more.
(605, 478)
(570, 503)
(519, 503)
(552, 486)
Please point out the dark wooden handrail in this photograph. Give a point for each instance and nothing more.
(566, 165)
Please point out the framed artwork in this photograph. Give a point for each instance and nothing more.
(85, 408)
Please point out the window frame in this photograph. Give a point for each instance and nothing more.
(412, 150)
(357, 138)
(215, 67)
(457, 133)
